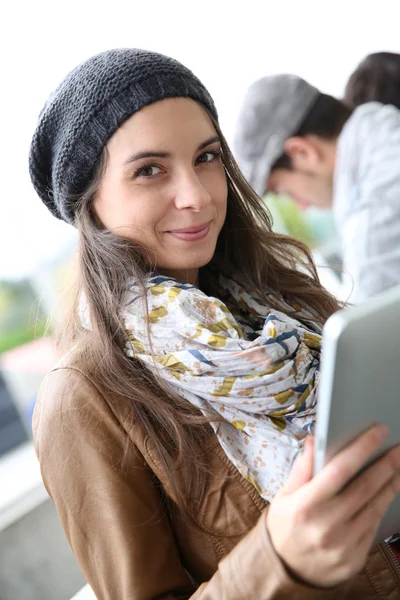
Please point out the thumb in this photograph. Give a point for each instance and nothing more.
(302, 470)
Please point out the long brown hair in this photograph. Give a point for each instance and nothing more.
(247, 249)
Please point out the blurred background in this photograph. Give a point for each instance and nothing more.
(228, 45)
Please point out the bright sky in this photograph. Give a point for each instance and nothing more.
(226, 43)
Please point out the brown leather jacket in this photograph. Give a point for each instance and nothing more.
(132, 543)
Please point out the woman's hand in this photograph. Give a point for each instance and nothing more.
(322, 532)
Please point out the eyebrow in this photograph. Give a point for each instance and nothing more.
(152, 154)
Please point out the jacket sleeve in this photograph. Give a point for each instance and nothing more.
(370, 227)
(113, 515)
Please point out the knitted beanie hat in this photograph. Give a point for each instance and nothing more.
(88, 107)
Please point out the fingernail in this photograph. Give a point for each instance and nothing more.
(381, 432)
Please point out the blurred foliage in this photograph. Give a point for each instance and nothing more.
(21, 319)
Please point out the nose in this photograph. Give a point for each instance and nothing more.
(191, 193)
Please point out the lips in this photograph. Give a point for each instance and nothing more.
(191, 234)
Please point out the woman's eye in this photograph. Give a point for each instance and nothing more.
(207, 157)
(148, 171)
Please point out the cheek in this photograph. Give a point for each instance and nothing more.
(298, 185)
(134, 214)
(145, 208)
(221, 199)
(216, 185)
(282, 182)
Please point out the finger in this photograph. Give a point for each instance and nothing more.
(346, 464)
(302, 469)
(366, 486)
(370, 517)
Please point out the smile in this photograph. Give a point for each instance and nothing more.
(191, 234)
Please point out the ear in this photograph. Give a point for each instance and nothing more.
(304, 153)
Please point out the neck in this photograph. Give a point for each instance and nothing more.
(190, 276)
(332, 152)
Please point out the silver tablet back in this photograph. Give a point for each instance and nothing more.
(360, 382)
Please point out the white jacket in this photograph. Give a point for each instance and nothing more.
(366, 202)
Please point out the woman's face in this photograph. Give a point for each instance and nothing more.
(165, 186)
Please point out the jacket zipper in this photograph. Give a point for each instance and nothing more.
(393, 559)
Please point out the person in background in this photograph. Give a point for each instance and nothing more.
(292, 139)
(376, 79)
(167, 436)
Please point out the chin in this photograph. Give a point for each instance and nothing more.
(200, 260)
(189, 266)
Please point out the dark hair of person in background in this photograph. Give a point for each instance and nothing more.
(376, 79)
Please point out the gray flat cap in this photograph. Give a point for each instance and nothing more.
(273, 110)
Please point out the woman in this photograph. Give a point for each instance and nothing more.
(136, 429)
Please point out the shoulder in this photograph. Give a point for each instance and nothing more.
(71, 400)
(372, 118)
(368, 156)
(374, 110)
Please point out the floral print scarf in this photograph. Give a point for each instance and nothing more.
(242, 362)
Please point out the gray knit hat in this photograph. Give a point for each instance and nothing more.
(273, 110)
(88, 107)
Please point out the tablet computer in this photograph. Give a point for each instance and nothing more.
(360, 383)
